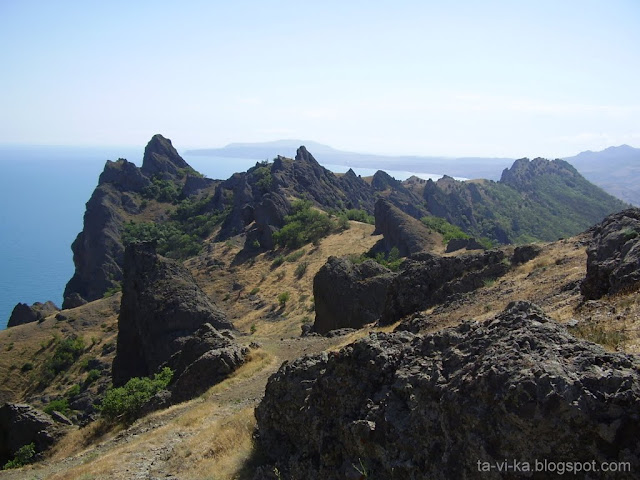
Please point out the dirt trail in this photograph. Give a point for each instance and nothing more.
(146, 448)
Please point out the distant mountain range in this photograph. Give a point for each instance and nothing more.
(467, 167)
(616, 169)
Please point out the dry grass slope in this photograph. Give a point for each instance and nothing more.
(211, 437)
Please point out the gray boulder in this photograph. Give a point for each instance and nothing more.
(525, 253)
(456, 244)
(613, 256)
(404, 406)
(347, 295)
(21, 424)
(206, 358)
(23, 313)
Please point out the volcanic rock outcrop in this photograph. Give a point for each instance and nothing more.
(613, 256)
(161, 307)
(400, 230)
(20, 425)
(426, 280)
(347, 295)
(206, 358)
(398, 406)
(23, 313)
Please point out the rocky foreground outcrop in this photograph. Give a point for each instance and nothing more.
(23, 313)
(162, 306)
(20, 425)
(349, 295)
(613, 256)
(403, 406)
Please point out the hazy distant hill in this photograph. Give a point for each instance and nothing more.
(616, 170)
(468, 167)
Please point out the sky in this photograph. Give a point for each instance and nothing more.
(461, 78)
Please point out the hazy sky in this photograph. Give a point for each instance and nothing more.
(510, 78)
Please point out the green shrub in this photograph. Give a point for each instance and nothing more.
(60, 405)
(254, 290)
(360, 216)
(182, 236)
(74, 391)
(447, 230)
(301, 269)
(26, 367)
(263, 178)
(283, 298)
(295, 256)
(279, 260)
(66, 353)
(23, 456)
(303, 226)
(125, 403)
(161, 190)
(92, 376)
(112, 291)
(392, 260)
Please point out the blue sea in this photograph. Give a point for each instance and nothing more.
(43, 191)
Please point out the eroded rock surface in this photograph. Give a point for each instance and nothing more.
(21, 424)
(613, 257)
(404, 406)
(161, 307)
(347, 295)
(428, 279)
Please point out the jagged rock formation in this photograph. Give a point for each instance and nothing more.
(304, 176)
(427, 280)
(613, 256)
(161, 307)
(400, 230)
(510, 211)
(395, 192)
(347, 295)
(21, 424)
(23, 313)
(98, 249)
(409, 406)
(161, 159)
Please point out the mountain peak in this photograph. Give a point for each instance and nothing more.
(161, 158)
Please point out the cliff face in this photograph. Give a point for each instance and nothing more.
(98, 249)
